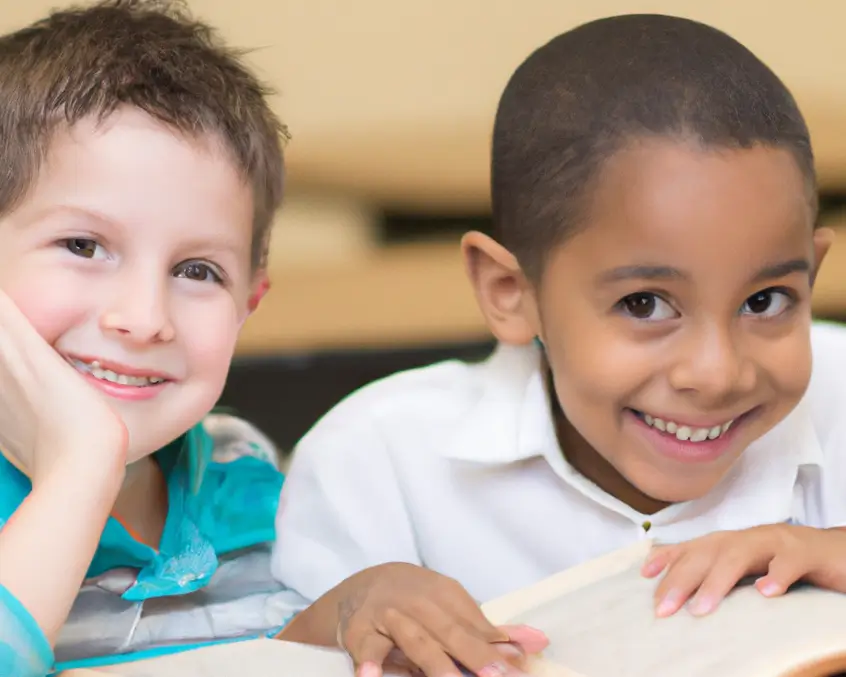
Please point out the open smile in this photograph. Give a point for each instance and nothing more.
(120, 381)
(700, 441)
(685, 431)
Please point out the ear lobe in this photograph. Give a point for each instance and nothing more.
(504, 294)
(823, 239)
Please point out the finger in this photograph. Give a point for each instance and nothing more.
(659, 558)
(530, 640)
(369, 652)
(436, 648)
(783, 572)
(418, 645)
(458, 604)
(727, 571)
(682, 579)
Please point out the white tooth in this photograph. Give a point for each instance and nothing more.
(109, 375)
(658, 423)
(672, 428)
(714, 433)
(96, 372)
(95, 364)
(648, 419)
(123, 380)
(726, 426)
(683, 433)
(699, 435)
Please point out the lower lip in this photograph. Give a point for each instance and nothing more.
(122, 392)
(675, 449)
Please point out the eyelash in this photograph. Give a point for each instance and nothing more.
(217, 275)
(623, 305)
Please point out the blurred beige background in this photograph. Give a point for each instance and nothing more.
(390, 103)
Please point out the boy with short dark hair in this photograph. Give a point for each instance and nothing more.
(650, 278)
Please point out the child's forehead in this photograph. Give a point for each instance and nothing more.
(130, 171)
(672, 189)
(677, 204)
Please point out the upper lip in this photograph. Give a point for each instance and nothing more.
(123, 369)
(695, 421)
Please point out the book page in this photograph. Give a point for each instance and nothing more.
(600, 621)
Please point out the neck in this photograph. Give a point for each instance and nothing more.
(141, 506)
(592, 465)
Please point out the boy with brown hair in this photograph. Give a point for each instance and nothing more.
(142, 170)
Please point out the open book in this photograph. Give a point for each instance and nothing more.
(600, 621)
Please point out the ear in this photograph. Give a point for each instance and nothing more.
(261, 285)
(823, 239)
(504, 294)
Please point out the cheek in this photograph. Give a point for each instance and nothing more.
(209, 335)
(787, 364)
(594, 367)
(53, 302)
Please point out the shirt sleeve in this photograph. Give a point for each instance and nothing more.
(24, 650)
(342, 507)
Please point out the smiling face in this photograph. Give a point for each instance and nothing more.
(677, 324)
(131, 257)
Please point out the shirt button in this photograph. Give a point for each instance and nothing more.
(647, 525)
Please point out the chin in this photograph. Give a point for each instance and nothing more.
(669, 490)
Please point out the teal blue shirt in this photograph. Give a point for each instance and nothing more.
(223, 486)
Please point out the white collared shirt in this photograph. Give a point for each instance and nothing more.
(456, 467)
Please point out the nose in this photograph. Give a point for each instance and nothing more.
(138, 310)
(713, 365)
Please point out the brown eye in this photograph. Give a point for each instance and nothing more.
(760, 302)
(641, 306)
(198, 271)
(647, 306)
(768, 303)
(82, 247)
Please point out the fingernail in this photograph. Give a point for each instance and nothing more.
(652, 566)
(369, 670)
(767, 588)
(700, 606)
(528, 629)
(669, 604)
(500, 670)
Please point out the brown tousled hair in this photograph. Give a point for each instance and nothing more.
(151, 54)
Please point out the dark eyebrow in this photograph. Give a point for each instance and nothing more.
(640, 273)
(782, 269)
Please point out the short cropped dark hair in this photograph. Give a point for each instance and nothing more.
(581, 97)
(150, 54)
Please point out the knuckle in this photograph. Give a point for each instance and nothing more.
(390, 615)
(453, 635)
(417, 639)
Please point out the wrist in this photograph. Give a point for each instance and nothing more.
(101, 470)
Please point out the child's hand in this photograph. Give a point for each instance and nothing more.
(405, 616)
(712, 565)
(432, 622)
(46, 409)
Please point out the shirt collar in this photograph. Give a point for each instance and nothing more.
(511, 420)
